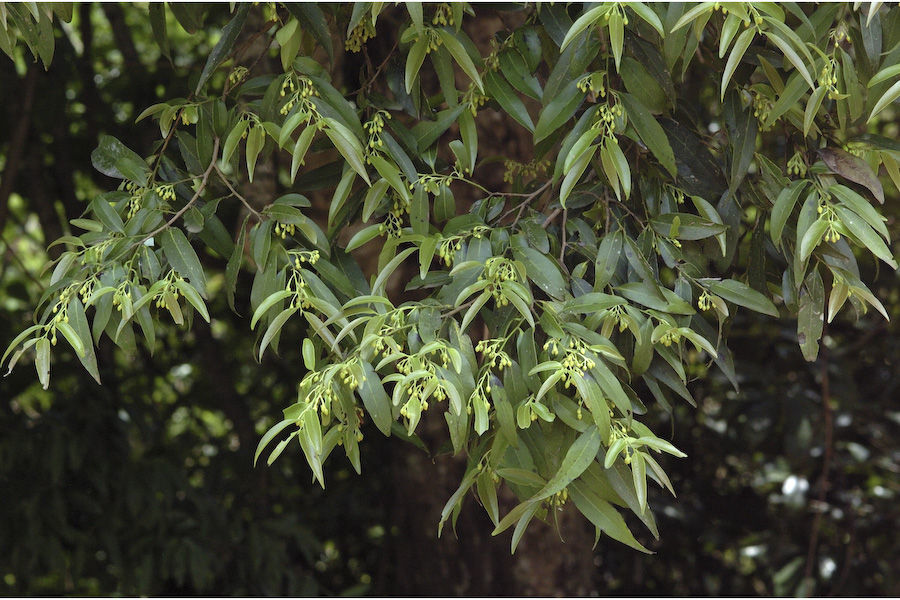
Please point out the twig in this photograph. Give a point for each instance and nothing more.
(562, 246)
(238, 196)
(551, 217)
(190, 203)
(458, 309)
(529, 198)
(826, 461)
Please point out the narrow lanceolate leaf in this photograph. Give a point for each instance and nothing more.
(792, 56)
(503, 93)
(734, 59)
(646, 13)
(348, 145)
(181, 256)
(223, 48)
(812, 107)
(810, 318)
(42, 361)
(784, 206)
(651, 132)
(865, 234)
(72, 338)
(459, 54)
(559, 110)
(270, 435)
(582, 23)
(743, 295)
(884, 75)
(578, 458)
(414, 61)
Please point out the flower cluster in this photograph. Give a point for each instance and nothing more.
(298, 257)
(529, 170)
(453, 244)
(374, 127)
(237, 75)
(705, 302)
(169, 293)
(498, 269)
(827, 212)
(762, 107)
(494, 356)
(595, 83)
(797, 165)
(297, 285)
(606, 120)
(828, 78)
(298, 89)
(363, 31)
(577, 358)
(443, 14)
(474, 99)
(284, 229)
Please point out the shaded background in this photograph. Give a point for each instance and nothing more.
(145, 485)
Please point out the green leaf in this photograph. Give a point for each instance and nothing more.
(78, 321)
(812, 237)
(223, 47)
(456, 49)
(374, 398)
(602, 514)
(743, 295)
(583, 22)
(884, 74)
(414, 61)
(652, 134)
(71, 337)
(560, 109)
(182, 257)
(498, 88)
(193, 297)
(300, 149)
(270, 435)
(810, 316)
(791, 55)
(542, 271)
(579, 457)
(617, 36)
(646, 13)
(784, 206)
(860, 206)
(863, 232)
(158, 25)
(115, 159)
(348, 145)
(42, 361)
(693, 15)
(256, 138)
(313, 20)
(812, 108)
(690, 227)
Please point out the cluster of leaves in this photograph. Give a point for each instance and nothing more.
(547, 313)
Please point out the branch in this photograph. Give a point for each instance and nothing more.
(234, 192)
(190, 203)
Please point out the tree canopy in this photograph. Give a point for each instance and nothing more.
(522, 239)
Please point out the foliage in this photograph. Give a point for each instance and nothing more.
(538, 318)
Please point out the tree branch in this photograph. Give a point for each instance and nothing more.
(190, 203)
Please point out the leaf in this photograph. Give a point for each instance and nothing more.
(574, 172)
(223, 47)
(810, 316)
(42, 361)
(693, 15)
(348, 145)
(300, 149)
(560, 109)
(542, 271)
(375, 399)
(71, 337)
(602, 514)
(456, 49)
(652, 134)
(617, 36)
(157, 14)
(743, 295)
(256, 138)
(884, 74)
(588, 19)
(784, 206)
(639, 475)
(182, 257)
(812, 237)
(414, 61)
(860, 206)
(193, 297)
(853, 168)
(865, 234)
(791, 55)
(690, 227)
(270, 435)
(646, 13)
(502, 92)
(115, 159)
(313, 20)
(812, 108)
